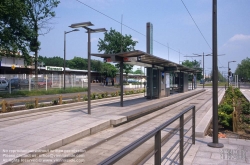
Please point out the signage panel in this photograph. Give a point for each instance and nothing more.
(54, 68)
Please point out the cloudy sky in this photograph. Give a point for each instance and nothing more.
(172, 24)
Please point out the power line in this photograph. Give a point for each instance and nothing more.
(195, 24)
(126, 25)
(198, 27)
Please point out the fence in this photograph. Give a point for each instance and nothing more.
(157, 141)
(45, 81)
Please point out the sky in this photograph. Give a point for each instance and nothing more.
(172, 25)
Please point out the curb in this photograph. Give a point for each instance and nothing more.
(203, 125)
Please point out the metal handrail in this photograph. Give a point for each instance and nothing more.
(157, 133)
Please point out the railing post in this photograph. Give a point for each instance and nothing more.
(60, 100)
(3, 106)
(181, 138)
(158, 148)
(36, 102)
(193, 129)
(78, 98)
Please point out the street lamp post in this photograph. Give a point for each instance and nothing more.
(89, 30)
(215, 143)
(228, 72)
(199, 55)
(65, 55)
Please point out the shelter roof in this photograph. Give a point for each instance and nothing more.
(141, 58)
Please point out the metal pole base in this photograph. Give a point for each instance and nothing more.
(215, 145)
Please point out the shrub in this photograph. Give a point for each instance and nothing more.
(30, 105)
(127, 92)
(55, 102)
(99, 96)
(228, 109)
(113, 94)
(42, 105)
(9, 107)
(106, 94)
(85, 97)
(225, 119)
(131, 92)
(237, 92)
(246, 108)
(93, 95)
(246, 119)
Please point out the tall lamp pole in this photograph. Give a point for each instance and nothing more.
(199, 55)
(64, 86)
(89, 30)
(215, 143)
(228, 72)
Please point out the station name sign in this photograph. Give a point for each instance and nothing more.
(53, 68)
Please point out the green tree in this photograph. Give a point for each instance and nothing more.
(96, 65)
(115, 42)
(194, 65)
(138, 71)
(39, 13)
(243, 69)
(51, 61)
(15, 34)
(78, 63)
(108, 70)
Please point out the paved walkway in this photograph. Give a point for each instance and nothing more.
(51, 132)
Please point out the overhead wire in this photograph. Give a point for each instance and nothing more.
(198, 27)
(126, 25)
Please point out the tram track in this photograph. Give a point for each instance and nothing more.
(113, 134)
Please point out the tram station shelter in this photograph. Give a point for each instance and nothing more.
(163, 76)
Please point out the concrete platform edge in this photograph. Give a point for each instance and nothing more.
(55, 107)
(203, 125)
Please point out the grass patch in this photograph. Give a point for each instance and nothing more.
(40, 92)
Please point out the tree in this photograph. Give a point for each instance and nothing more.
(15, 34)
(194, 65)
(115, 42)
(78, 63)
(108, 70)
(243, 70)
(39, 13)
(51, 61)
(138, 71)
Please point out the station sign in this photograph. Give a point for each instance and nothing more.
(54, 68)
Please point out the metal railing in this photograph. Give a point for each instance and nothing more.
(157, 140)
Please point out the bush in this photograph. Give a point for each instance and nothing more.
(42, 105)
(246, 108)
(55, 102)
(225, 119)
(225, 108)
(106, 94)
(113, 94)
(93, 96)
(127, 92)
(30, 105)
(85, 97)
(246, 119)
(99, 96)
(237, 92)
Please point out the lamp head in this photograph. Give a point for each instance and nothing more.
(82, 24)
